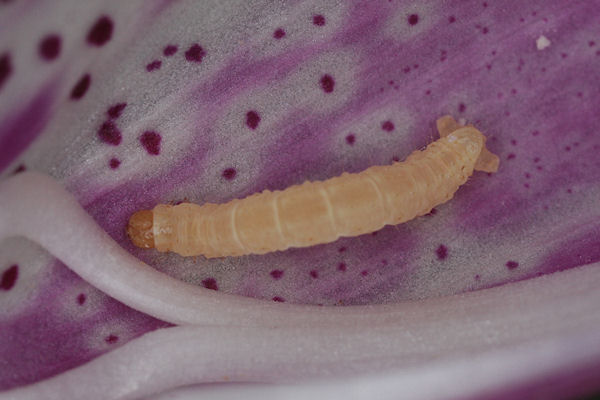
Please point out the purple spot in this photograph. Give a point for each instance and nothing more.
(111, 339)
(81, 87)
(413, 19)
(278, 299)
(485, 30)
(462, 108)
(477, 277)
(109, 133)
(452, 19)
(114, 163)
(195, 53)
(591, 43)
(431, 213)
(229, 173)
(9, 277)
(50, 47)
(350, 139)
(442, 252)
(153, 65)
(342, 249)
(210, 283)
(276, 274)
(151, 142)
(511, 156)
(115, 111)
(5, 68)
(387, 126)
(279, 33)
(364, 272)
(535, 133)
(170, 50)
(341, 267)
(81, 299)
(327, 83)
(318, 20)
(513, 142)
(252, 119)
(512, 264)
(19, 169)
(406, 70)
(314, 274)
(101, 32)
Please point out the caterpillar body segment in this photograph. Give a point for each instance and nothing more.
(321, 211)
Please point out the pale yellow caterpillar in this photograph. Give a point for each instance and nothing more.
(321, 211)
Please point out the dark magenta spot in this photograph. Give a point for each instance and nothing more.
(276, 274)
(170, 50)
(327, 83)
(314, 274)
(318, 20)
(229, 173)
(109, 133)
(9, 277)
(50, 47)
(20, 168)
(80, 299)
(431, 213)
(452, 19)
(151, 142)
(153, 65)
(350, 139)
(461, 108)
(406, 70)
(512, 264)
(442, 252)
(278, 299)
(591, 43)
(387, 126)
(252, 119)
(81, 87)
(364, 272)
(535, 133)
(477, 277)
(101, 31)
(485, 30)
(114, 163)
(513, 142)
(341, 267)
(111, 339)
(511, 156)
(5, 68)
(342, 249)
(115, 111)
(210, 283)
(279, 33)
(413, 19)
(195, 53)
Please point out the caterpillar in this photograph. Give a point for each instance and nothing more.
(320, 211)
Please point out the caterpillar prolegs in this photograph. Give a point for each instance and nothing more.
(320, 211)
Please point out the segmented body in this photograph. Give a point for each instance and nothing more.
(322, 211)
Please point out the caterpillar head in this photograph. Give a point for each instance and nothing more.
(140, 229)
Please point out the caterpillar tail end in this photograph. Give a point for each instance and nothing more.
(139, 229)
(487, 161)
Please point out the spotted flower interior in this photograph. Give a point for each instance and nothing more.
(132, 104)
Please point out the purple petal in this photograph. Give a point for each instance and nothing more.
(242, 98)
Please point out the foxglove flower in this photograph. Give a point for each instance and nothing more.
(111, 107)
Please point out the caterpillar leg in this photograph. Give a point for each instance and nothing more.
(487, 161)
